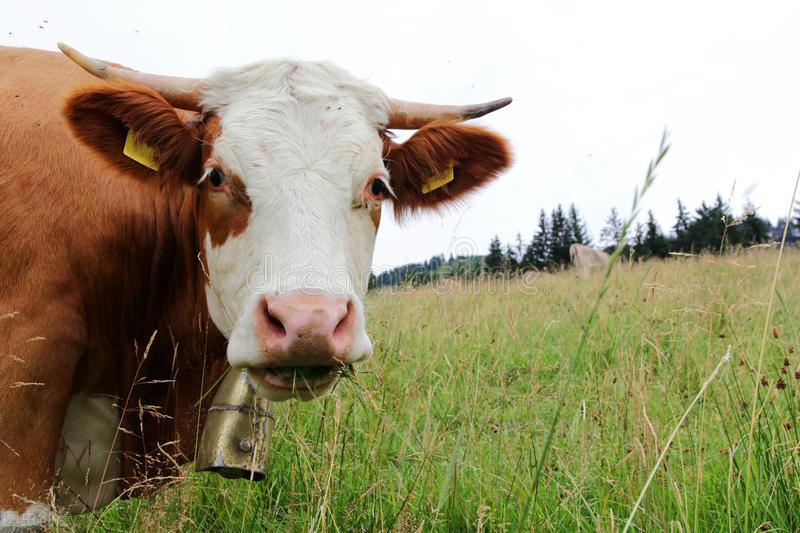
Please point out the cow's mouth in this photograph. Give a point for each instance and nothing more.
(299, 378)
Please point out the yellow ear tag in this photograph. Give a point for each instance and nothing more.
(142, 153)
(434, 182)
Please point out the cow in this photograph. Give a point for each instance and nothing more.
(156, 231)
(585, 258)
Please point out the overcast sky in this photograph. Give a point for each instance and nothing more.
(594, 84)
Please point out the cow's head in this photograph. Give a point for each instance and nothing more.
(291, 161)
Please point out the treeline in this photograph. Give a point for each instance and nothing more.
(548, 249)
(464, 267)
(711, 227)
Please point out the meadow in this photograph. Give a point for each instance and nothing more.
(446, 427)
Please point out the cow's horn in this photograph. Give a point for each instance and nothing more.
(180, 92)
(404, 115)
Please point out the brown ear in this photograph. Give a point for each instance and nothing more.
(102, 116)
(477, 155)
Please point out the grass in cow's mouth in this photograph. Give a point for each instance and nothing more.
(347, 371)
(303, 372)
(312, 374)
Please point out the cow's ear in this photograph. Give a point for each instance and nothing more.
(441, 163)
(136, 130)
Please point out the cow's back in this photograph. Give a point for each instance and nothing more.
(38, 153)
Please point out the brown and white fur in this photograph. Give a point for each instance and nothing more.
(125, 292)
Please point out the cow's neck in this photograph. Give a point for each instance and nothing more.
(157, 282)
(150, 279)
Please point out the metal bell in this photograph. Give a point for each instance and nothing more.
(238, 430)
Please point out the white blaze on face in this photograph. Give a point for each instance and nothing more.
(304, 139)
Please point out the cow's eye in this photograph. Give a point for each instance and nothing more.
(377, 187)
(376, 190)
(216, 177)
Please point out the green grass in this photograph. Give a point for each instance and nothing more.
(444, 428)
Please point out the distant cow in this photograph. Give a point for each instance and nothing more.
(234, 215)
(585, 258)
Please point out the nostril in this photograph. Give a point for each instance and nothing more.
(344, 323)
(274, 323)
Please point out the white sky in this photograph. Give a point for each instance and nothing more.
(594, 84)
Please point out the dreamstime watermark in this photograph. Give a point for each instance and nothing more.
(338, 279)
(464, 273)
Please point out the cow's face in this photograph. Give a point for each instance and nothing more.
(292, 181)
(291, 162)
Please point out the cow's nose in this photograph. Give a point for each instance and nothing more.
(299, 329)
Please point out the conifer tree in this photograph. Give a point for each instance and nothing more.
(655, 244)
(754, 229)
(637, 241)
(609, 235)
(707, 227)
(537, 253)
(681, 229)
(576, 229)
(494, 260)
(511, 261)
(559, 244)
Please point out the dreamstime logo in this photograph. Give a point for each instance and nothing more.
(526, 283)
(339, 280)
(463, 247)
(463, 273)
